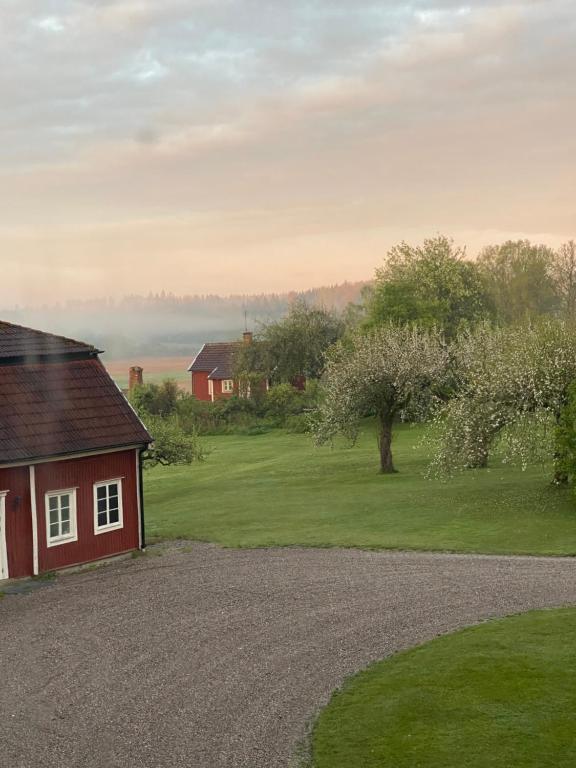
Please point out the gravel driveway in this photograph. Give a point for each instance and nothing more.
(207, 657)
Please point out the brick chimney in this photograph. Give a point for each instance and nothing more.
(135, 378)
(247, 337)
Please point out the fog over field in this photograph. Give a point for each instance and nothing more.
(167, 325)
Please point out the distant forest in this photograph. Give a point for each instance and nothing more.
(165, 325)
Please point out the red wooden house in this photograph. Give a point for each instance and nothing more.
(70, 456)
(213, 369)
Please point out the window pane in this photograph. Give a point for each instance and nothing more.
(53, 502)
(102, 519)
(113, 502)
(113, 489)
(102, 505)
(54, 530)
(65, 513)
(114, 516)
(53, 516)
(65, 528)
(65, 500)
(101, 492)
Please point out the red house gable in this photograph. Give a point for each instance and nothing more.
(70, 445)
(213, 370)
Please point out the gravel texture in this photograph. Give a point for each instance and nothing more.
(206, 657)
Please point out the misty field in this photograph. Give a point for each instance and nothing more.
(278, 489)
(156, 369)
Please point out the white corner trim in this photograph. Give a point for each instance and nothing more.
(4, 572)
(34, 520)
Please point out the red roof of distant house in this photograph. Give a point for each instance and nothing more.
(217, 359)
(67, 403)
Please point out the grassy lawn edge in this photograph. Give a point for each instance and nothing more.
(500, 692)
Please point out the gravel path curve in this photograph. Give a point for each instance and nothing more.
(212, 658)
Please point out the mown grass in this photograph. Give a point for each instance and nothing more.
(278, 489)
(501, 694)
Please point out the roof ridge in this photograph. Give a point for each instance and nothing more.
(58, 336)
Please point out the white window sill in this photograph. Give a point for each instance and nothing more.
(61, 540)
(108, 528)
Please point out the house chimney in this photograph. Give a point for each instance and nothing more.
(247, 337)
(135, 378)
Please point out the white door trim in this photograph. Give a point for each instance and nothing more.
(3, 549)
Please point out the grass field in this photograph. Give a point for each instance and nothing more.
(278, 489)
(502, 694)
(156, 369)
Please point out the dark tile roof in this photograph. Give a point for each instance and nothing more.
(216, 358)
(55, 408)
(18, 342)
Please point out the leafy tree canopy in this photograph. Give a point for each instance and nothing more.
(431, 285)
(171, 444)
(292, 347)
(519, 278)
(157, 406)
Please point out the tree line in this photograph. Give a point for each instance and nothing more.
(482, 347)
(485, 349)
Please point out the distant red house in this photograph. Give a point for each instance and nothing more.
(70, 456)
(213, 369)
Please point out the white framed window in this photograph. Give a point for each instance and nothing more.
(108, 514)
(227, 385)
(61, 525)
(211, 389)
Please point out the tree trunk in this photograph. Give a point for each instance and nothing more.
(560, 455)
(385, 443)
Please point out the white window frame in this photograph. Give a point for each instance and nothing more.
(228, 386)
(211, 389)
(69, 537)
(98, 529)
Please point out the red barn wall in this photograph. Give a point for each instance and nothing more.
(82, 474)
(18, 520)
(200, 385)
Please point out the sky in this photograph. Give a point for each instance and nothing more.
(242, 146)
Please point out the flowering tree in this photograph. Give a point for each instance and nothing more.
(390, 372)
(515, 378)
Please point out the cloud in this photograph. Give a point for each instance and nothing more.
(408, 116)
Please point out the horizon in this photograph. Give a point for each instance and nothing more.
(223, 146)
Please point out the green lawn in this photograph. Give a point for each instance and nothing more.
(501, 694)
(278, 489)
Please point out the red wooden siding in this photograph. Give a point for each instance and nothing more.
(200, 385)
(18, 520)
(82, 474)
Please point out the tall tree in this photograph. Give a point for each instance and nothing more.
(432, 285)
(564, 275)
(390, 372)
(518, 276)
(293, 346)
